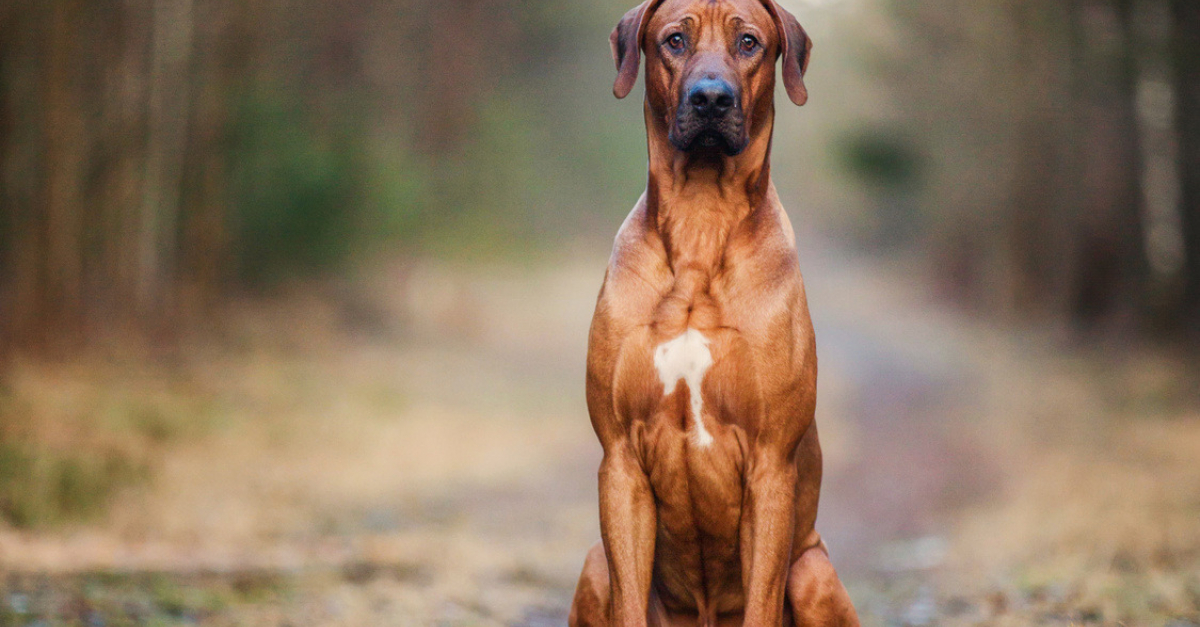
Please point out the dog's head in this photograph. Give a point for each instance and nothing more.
(710, 66)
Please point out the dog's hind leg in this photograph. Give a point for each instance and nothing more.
(590, 607)
(815, 595)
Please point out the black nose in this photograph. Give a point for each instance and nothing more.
(711, 97)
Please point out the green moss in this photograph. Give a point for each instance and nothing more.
(40, 488)
(297, 189)
(881, 158)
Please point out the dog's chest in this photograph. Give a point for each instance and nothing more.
(692, 367)
(695, 346)
(685, 361)
(700, 398)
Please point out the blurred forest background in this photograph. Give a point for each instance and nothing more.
(159, 154)
(226, 223)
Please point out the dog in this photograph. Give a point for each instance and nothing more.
(702, 364)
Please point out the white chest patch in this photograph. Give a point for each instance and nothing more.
(686, 357)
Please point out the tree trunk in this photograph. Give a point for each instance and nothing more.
(171, 50)
(1112, 271)
(204, 248)
(1042, 249)
(60, 297)
(1187, 87)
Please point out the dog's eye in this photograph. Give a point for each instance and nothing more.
(675, 41)
(749, 43)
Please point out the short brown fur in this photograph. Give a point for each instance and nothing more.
(721, 534)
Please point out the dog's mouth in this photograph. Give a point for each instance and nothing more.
(720, 137)
(708, 138)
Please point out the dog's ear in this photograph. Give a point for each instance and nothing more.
(626, 42)
(796, 49)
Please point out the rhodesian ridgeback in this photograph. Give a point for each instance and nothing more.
(702, 366)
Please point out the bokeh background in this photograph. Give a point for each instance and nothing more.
(294, 300)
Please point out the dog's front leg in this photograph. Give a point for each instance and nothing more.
(766, 535)
(627, 525)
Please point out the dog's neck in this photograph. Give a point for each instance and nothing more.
(696, 199)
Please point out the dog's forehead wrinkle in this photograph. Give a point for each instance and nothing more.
(713, 19)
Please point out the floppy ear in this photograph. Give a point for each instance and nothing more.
(795, 51)
(626, 42)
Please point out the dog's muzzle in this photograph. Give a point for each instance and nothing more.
(709, 118)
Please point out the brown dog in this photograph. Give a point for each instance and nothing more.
(701, 377)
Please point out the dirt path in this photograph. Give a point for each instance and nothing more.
(416, 452)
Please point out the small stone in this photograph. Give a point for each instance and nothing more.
(922, 611)
(998, 602)
(957, 606)
(19, 602)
